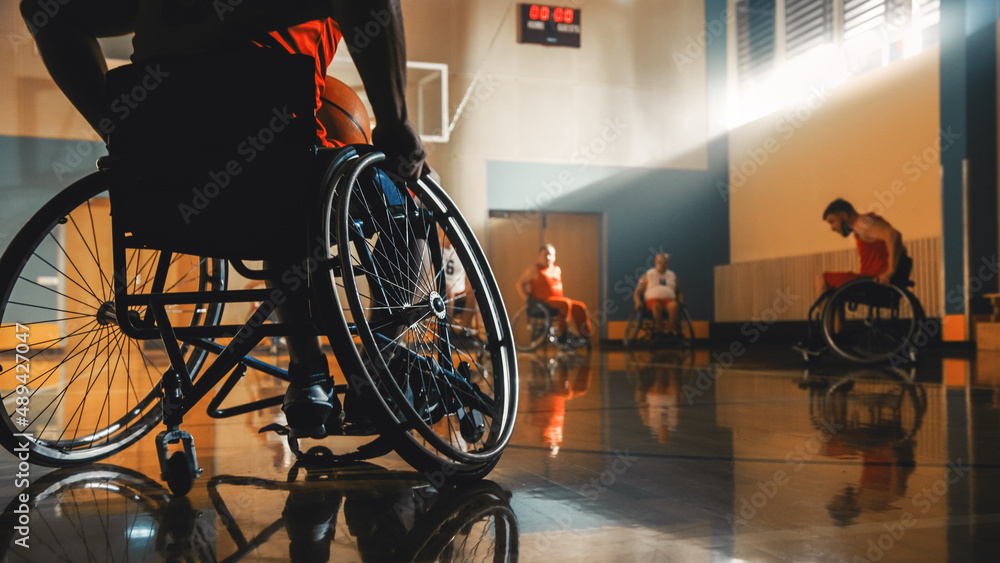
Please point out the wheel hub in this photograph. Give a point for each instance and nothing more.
(106, 314)
(437, 305)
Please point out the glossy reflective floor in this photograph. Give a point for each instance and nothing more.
(619, 456)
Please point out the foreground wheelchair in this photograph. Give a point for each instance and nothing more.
(866, 322)
(113, 296)
(534, 325)
(641, 330)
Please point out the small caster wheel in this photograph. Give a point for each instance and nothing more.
(179, 476)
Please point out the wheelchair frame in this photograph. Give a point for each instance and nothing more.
(447, 410)
(541, 329)
(869, 323)
(638, 331)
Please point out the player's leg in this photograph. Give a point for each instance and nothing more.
(581, 318)
(66, 34)
(673, 323)
(311, 406)
(562, 305)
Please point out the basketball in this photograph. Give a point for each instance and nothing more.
(344, 114)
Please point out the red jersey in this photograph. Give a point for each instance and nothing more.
(548, 283)
(874, 255)
(318, 39)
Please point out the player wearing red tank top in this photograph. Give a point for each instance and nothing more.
(880, 250)
(543, 282)
(880, 247)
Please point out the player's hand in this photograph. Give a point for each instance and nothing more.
(639, 306)
(404, 153)
(883, 279)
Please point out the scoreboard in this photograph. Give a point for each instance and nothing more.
(548, 25)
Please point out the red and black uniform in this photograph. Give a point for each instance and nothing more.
(874, 261)
(547, 287)
(318, 39)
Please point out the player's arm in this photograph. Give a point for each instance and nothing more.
(524, 283)
(381, 61)
(640, 290)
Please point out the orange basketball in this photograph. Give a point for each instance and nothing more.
(344, 114)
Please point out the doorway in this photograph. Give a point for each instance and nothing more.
(514, 238)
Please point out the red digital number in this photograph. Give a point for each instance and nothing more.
(544, 14)
(557, 15)
(568, 15)
(533, 12)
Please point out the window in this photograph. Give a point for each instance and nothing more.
(755, 37)
(788, 47)
(808, 24)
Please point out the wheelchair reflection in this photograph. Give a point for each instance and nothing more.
(109, 513)
(656, 377)
(873, 415)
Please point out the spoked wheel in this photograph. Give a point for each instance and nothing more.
(531, 326)
(446, 390)
(72, 382)
(474, 522)
(866, 322)
(99, 513)
(638, 329)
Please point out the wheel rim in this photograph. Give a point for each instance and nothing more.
(873, 323)
(530, 327)
(407, 341)
(91, 389)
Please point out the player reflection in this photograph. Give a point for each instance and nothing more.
(553, 382)
(656, 393)
(873, 415)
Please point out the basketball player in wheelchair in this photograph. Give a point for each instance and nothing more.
(867, 316)
(658, 293)
(68, 45)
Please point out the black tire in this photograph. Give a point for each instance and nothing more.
(639, 328)
(179, 476)
(423, 381)
(868, 323)
(468, 523)
(87, 390)
(636, 331)
(531, 326)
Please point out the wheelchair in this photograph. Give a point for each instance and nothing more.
(534, 326)
(112, 296)
(868, 323)
(640, 329)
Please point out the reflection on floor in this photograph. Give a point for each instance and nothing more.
(620, 456)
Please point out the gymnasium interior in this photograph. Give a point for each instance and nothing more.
(713, 131)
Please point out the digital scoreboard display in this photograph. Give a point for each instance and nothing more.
(549, 25)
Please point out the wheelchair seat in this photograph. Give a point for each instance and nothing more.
(213, 155)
